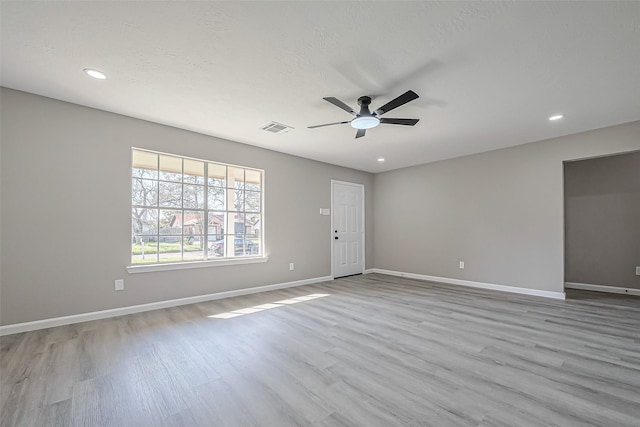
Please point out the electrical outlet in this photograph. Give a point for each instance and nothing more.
(462, 264)
(292, 266)
(637, 271)
(119, 285)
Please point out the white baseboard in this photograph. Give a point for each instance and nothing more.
(481, 285)
(369, 271)
(602, 288)
(103, 314)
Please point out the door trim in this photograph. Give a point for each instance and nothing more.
(364, 225)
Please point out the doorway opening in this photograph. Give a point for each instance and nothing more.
(602, 224)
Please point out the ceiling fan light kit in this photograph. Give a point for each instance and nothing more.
(365, 122)
(365, 119)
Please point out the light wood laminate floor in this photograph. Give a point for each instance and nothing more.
(368, 350)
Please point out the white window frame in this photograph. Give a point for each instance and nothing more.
(209, 260)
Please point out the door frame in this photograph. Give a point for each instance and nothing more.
(362, 188)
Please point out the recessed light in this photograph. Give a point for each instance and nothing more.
(380, 159)
(95, 73)
(556, 117)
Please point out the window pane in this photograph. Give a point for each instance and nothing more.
(193, 171)
(144, 192)
(236, 177)
(193, 223)
(170, 223)
(237, 222)
(238, 200)
(253, 245)
(170, 248)
(216, 198)
(144, 250)
(217, 175)
(252, 201)
(242, 245)
(193, 248)
(216, 225)
(170, 194)
(145, 165)
(144, 222)
(216, 247)
(193, 196)
(253, 180)
(252, 225)
(170, 168)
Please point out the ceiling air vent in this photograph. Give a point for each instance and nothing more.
(274, 127)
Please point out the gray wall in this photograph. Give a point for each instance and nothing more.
(66, 201)
(602, 220)
(501, 212)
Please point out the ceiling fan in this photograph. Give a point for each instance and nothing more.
(365, 119)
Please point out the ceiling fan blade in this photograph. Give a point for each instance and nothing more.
(360, 133)
(340, 104)
(395, 103)
(407, 122)
(328, 124)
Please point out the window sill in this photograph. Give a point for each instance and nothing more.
(146, 268)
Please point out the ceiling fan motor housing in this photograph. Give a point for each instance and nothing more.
(364, 100)
(365, 119)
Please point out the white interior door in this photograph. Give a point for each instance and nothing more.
(348, 228)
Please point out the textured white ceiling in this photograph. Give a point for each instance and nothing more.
(488, 74)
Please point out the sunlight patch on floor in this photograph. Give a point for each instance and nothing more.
(268, 306)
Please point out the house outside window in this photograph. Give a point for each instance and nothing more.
(185, 209)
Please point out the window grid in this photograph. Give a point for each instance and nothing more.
(238, 231)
